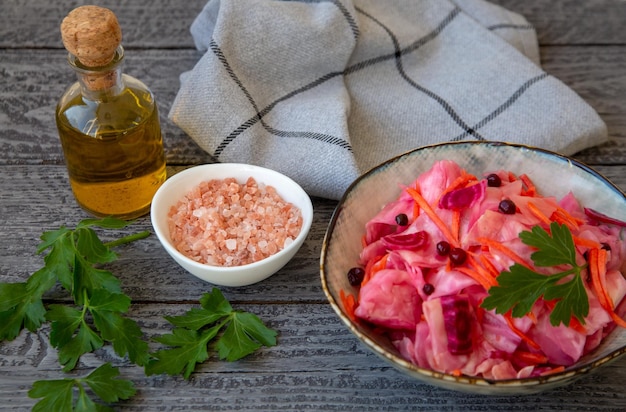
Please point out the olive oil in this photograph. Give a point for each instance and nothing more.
(113, 151)
(108, 125)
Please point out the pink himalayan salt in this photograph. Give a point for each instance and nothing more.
(225, 223)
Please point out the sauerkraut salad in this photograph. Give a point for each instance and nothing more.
(432, 257)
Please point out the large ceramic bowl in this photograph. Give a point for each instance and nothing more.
(553, 174)
(180, 184)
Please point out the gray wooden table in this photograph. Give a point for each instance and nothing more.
(317, 364)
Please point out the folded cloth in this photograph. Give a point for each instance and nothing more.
(322, 91)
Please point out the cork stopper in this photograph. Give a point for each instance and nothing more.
(92, 34)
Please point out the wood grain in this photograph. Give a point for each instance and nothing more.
(573, 22)
(161, 24)
(165, 24)
(318, 363)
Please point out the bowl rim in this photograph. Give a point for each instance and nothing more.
(163, 233)
(466, 382)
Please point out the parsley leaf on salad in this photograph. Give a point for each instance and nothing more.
(519, 288)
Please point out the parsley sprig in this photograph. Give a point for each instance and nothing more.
(58, 395)
(519, 288)
(243, 333)
(96, 316)
(73, 260)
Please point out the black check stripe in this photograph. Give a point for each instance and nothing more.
(397, 55)
(503, 106)
(511, 26)
(260, 114)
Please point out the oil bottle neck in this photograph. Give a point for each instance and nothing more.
(100, 83)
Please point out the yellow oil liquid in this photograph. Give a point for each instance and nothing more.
(113, 150)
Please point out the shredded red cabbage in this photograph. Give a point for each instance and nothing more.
(458, 321)
(602, 218)
(407, 241)
(464, 197)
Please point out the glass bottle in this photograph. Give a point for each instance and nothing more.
(108, 122)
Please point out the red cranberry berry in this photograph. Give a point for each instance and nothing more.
(355, 276)
(507, 207)
(457, 256)
(493, 180)
(443, 248)
(402, 219)
(428, 289)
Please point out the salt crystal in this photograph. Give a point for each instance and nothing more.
(231, 244)
(217, 216)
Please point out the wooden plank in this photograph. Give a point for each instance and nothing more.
(145, 24)
(596, 73)
(165, 24)
(317, 364)
(569, 22)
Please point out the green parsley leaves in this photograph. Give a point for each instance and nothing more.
(243, 334)
(72, 261)
(519, 288)
(96, 317)
(58, 395)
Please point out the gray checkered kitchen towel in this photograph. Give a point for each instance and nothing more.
(322, 91)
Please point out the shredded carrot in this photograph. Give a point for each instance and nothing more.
(460, 182)
(349, 304)
(618, 321)
(531, 190)
(575, 324)
(416, 210)
(531, 357)
(423, 204)
(488, 264)
(512, 177)
(588, 243)
(556, 369)
(456, 372)
(492, 244)
(363, 242)
(538, 213)
(556, 217)
(368, 270)
(564, 217)
(484, 273)
(509, 320)
(373, 266)
(597, 269)
(476, 276)
(569, 216)
(455, 226)
(532, 317)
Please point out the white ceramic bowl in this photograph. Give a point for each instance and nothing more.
(552, 174)
(181, 183)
